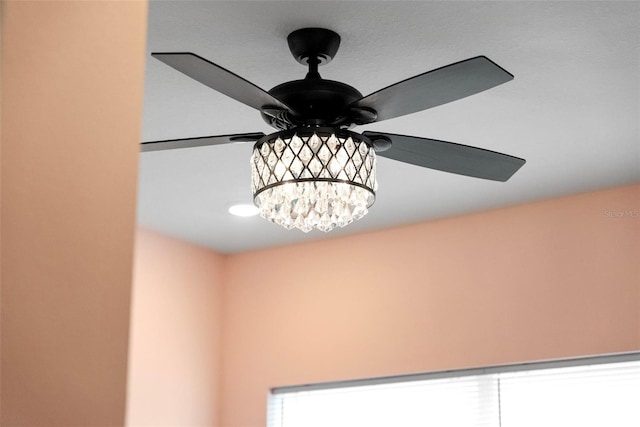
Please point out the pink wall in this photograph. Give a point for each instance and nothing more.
(175, 334)
(547, 280)
(72, 83)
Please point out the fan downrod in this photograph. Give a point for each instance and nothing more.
(317, 102)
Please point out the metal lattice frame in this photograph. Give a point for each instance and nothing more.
(313, 154)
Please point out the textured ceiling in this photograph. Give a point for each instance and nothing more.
(572, 110)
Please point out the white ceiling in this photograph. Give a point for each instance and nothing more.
(572, 110)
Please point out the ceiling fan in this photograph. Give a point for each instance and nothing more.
(314, 172)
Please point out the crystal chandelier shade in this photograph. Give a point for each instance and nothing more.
(309, 178)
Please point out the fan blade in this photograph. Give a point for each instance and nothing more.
(449, 157)
(220, 79)
(172, 144)
(435, 87)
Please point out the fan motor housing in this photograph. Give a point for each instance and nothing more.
(318, 102)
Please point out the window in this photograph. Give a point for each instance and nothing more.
(601, 391)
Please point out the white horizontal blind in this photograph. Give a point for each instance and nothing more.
(603, 394)
(585, 396)
(465, 401)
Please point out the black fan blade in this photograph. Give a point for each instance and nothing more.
(172, 144)
(435, 87)
(220, 79)
(448, 156)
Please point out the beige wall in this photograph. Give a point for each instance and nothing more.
(546, 280)
(72, 82)
(175, 334)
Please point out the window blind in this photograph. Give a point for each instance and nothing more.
(596, 395)
(466, 401)
(591, 393)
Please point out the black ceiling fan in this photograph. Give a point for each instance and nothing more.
(316, 102)
(313, 172)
